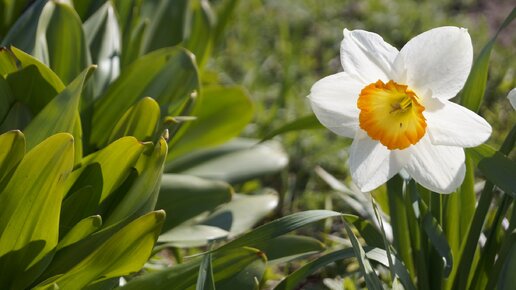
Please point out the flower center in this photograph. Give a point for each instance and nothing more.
(391, 113)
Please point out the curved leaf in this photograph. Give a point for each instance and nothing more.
(31, 203)
(123, 253)
(222, 113)
(184, 197)
(168, 75)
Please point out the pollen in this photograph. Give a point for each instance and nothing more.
(392, 114)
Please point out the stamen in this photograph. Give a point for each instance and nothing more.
(391, 113)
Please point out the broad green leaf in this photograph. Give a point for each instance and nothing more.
(81, 230)
(60, 115)
(142, 196)
(222, 114)
(68, 58)
(19, 116)
(168, 75)
(12, 150)
(242, 213)
(49, 75)
(23, 33)
(30, 87)
(247, 277)
(184, 197)
(6, 98)
(85, 8)
(115, 162)
(10, 10)
(200, 31)
(241, 165)
(31, 202)
(288, 247)
(104, 40)
(473, 91)
(123, 253)
(82, 203)
(167, 23)
(7, 62)
(205, 280)
(304, 123)
(225, 265)
(500, 170)
(278, 227)
(140, 120)
(133, 46)
(372, 281)
(189, 236)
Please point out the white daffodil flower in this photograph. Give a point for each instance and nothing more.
(395, 105)
(512, 98)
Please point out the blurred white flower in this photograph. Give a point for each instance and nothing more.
(395, 105)
(512, 98)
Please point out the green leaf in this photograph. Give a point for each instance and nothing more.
(222, 114)
(68, 58)
(49, 75)
(167, 23)
(168, 75)
(278, 227)
(142, 196)
(432, 229)
(205, 280)
(184, 197)
(18, 117)
(31, 203)
(7, 62)
(225, 265)
(81, 230)
(288, 247)
(189, 236)
(473, 91)
(242, 213)
(12, 150)
(60, 115)
(293, 280)
(372, 281)
(309, 122)
(199, 38)
(115, 162)
(29, 87)
(367, 230)
(500, 170)
(23, 33)
(140, 120)
(10, 10)
(123, 253)
(104, 40)
(239, 165)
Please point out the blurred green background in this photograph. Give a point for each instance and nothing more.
(279, 49)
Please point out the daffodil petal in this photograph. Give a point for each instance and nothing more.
(512, 98)
(371, 163)
(436, 167)
(367, 56)
(454, 125)
(334, 102)
(437, 61)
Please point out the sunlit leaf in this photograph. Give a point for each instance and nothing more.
(123, 253)
(31, 202)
